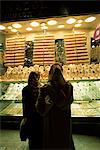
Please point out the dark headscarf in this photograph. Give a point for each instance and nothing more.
(55, 75)
(33, 79)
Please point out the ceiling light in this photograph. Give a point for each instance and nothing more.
(90, 19)
(61, 26)
(2, 27)
(71, 20)
(9, 27)
(44, 27)
(34, 24)
(13, 30)
(52, 22)
(78, 25)
(17, 25)
(79, 21)
(28, 29)
(43, 24)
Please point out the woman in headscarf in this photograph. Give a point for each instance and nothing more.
(31, 116)
(54, 104)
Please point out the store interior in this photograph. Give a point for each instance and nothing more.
(34, 45)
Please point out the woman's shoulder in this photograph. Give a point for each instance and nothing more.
(68, 84)
(25, 89)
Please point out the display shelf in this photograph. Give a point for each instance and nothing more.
(14, 45)
(85, 113)
(43, 46)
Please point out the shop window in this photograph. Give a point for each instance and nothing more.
(60, 51)
(29, 46)
(95, 51)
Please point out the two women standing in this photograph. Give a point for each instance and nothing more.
(54, 106)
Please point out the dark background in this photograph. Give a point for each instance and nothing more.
(23, 10)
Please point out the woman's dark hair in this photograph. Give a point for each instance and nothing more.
(54, 66)
(33, 75)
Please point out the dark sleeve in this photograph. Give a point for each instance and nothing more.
(65, 97)
(41, 101)
(71, 98)
(44, 104)
(25, 103)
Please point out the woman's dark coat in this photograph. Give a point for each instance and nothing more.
(34, 120)
(55, 106)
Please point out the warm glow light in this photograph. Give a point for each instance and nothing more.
(43, 24)
(52, 22)
(78, 25)
(44, 27)
(2, 27)
(71, 20)
(13, 30)
(28, 29)
(79, 21)
(17, 25)
(90, 19)
(9, 27)
(61, 26)
(34, 24)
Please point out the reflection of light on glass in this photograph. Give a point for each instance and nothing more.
(2, 27)
(71, 20)
(92, 40)
(90, 19)
(17, 25)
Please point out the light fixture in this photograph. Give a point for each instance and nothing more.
(60, 26)
(43, 24)
(44, 27)
(52, 22)
(2, 27)
(17, 25)
(90, 19)
(71, 20)
(13, 30)
(77, 25)
(9, 27)
(28, 29)
(34, 24)
(79, 21)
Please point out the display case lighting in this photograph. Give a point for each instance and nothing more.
(28, 29)
(52, 22)
(17, 25)
(43, 24)
(79, 21)
(44, 27)
(9, 27)
(71, 21)
(2, 27)
(90, 19)
(77, 25)
(13, 30)
(34, 24)
(61, 26)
